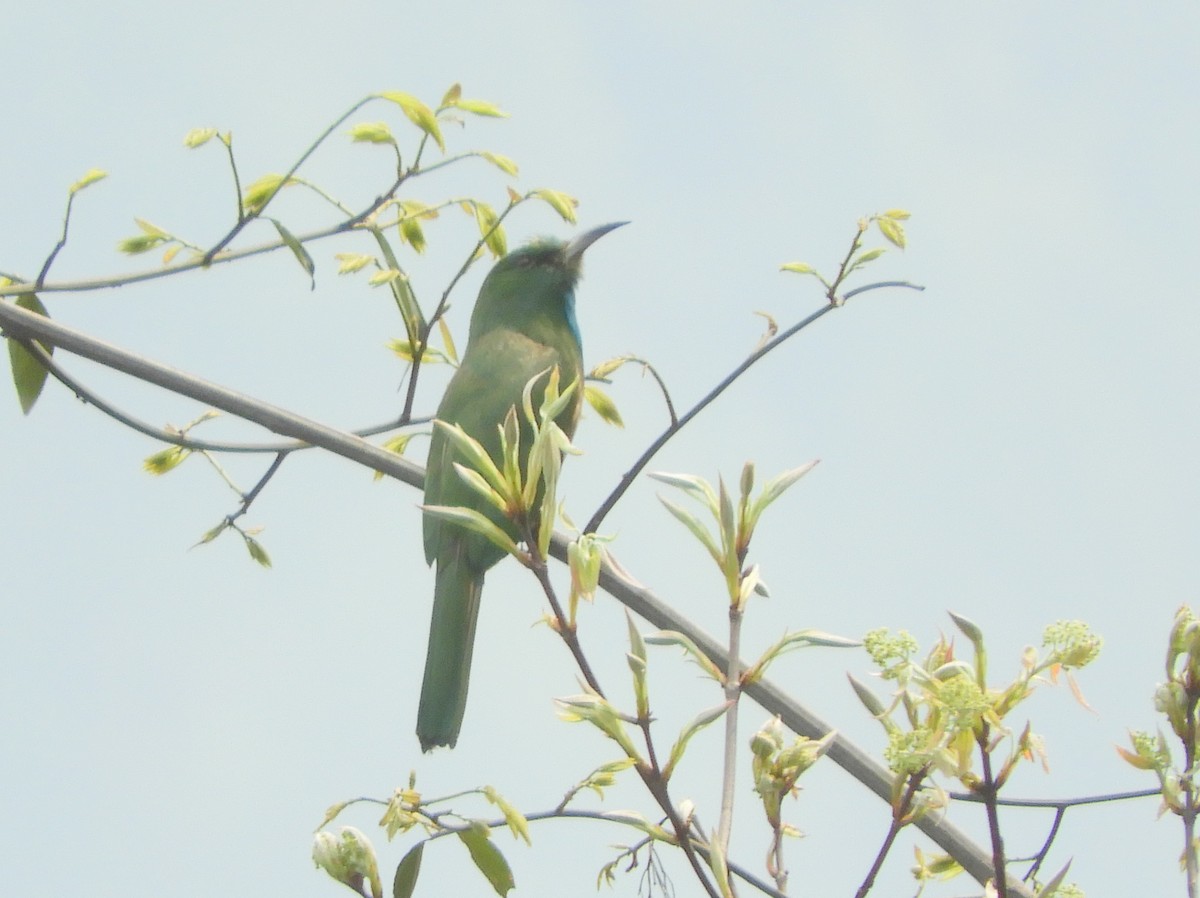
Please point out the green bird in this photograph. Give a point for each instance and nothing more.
(523, 323)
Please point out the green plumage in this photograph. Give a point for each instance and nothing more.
(523, 323)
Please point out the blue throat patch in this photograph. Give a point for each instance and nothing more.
(572, 323)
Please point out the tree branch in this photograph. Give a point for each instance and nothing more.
(21, 323)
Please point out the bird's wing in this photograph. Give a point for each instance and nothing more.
(489, 382)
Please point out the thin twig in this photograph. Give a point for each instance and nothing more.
(629, 476)
(89, 397)
(733, 691)
(244, 219)
(62, 241)
(899, 813)
(651, 775)
(990, 792)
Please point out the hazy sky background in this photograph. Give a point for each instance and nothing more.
(1017, 443)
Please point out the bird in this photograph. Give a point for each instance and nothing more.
(523, 324)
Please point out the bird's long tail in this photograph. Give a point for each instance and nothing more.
(448, 660)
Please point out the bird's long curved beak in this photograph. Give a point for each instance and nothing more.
(576, 247)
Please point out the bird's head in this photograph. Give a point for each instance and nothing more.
(536, 280)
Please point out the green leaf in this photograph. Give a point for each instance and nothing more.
(487, 858)
(417, 209)
(151, 230)
(514, 819)
(503, 163)
(798, 268)
(348, 263)
(212, 534)
(472, 450)
(699, 722)
(480, 107)
(28, 374)
(604, 369)
(869, 256)
(898, 214)
(450, 97)
(372, 132)
(407, 872)
(475, 522)
(562, 203)
(969, 628)
(696, 487)
(775, 488)
(698, 530)
(166, 460)
(418, 113)
(257, 552)
(448, 341)
(139, 243)
(262, 191)
(490, 229)
(892, 230)
(198, 137)
(396, 444)
(412, 233)
(384, 277)
(797, 640)
(297, 249)
(91, 176)
(603, 405)
(671, 637)
(870, 700)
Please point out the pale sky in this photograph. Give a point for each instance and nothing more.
(1016, 443)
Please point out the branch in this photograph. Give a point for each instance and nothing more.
(88, 397)
(21, 323)
(677, 425)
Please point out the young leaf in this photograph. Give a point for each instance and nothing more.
(512, 817)
(372, 132)
(298, 250)
(28, 374)
(91, 176)
(487, 858)
(490, 229)
(257, 552)
(384, 277)
(407, 871)
(698, 530)
(419, 114)
(503, 163)
(798, 268)
(672, 637)
(213, 533)
(560, 202)
(412, 233)
(480, 107)
(139, 243)
(699, 722)
(603, 405)
(348, 263)
(166, 459)
(474, 521)
(262, 191)
(893, 231)
(198, 137)
(450, 97)
(448, 341)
